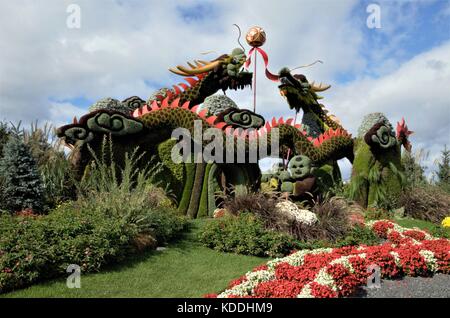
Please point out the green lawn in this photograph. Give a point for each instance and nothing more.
(424, 225)
(184, 269)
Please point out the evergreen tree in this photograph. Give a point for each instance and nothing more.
(4, 136)
(22, 184)
(414, 172)
(443, 172)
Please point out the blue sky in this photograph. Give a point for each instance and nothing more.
(123, 48)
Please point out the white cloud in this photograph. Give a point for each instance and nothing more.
(417, 90)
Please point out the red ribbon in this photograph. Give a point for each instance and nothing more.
(265, 57)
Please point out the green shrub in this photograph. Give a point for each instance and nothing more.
(33, 249)
(245, 234)
(22, 183)
(376, 213)
(357, 235)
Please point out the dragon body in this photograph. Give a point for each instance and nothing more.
(198, 185)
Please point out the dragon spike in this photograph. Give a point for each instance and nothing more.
(176, 103)
(155, 105)
(159, 97)
(237, 132)
(191, 81)
(274, 122)
(310, 138)
(145, 110)
(165, 103)
(298, 126)
(137, 112)
(267, 125)
(200, 76)
(211, 119)
(281, 121)
(177, 89)
(289, 121)
(316, 143)
(169, 94)
(220, 125)
(75, 120)
(194, 109)
(202, 113)
(185, 105)
(183, 85)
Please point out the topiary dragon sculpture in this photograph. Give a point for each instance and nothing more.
(198, 186)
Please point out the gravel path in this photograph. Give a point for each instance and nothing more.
(437, 286)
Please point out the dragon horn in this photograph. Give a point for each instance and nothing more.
(319, 88)
(201, 62)
(199, 70)
(178, 72)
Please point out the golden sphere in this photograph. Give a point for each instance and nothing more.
(256, 36)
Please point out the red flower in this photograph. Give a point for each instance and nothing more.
(417, 235)
(278, 289)
(321, 291)
(381, 227)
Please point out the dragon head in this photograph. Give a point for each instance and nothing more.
(298, 92)
(226, 71)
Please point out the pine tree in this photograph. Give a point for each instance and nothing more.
(443, 172)
(22, 184)
(414, 172)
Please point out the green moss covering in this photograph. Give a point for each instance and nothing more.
(187, 190)
(376, 176)
(213, 186)
(203, 207)
(196, 190)
(174, 172)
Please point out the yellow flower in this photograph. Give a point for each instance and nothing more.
(446, 222)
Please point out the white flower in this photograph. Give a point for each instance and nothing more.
(345, 262)
(323, 278)
(430, 260)
(306, 292)
(396, 258)
(247, 287)
(291, 210)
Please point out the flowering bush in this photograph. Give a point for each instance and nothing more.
(337, 272)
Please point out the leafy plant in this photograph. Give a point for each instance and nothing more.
(245, 234)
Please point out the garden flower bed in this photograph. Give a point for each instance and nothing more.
(337, 272)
